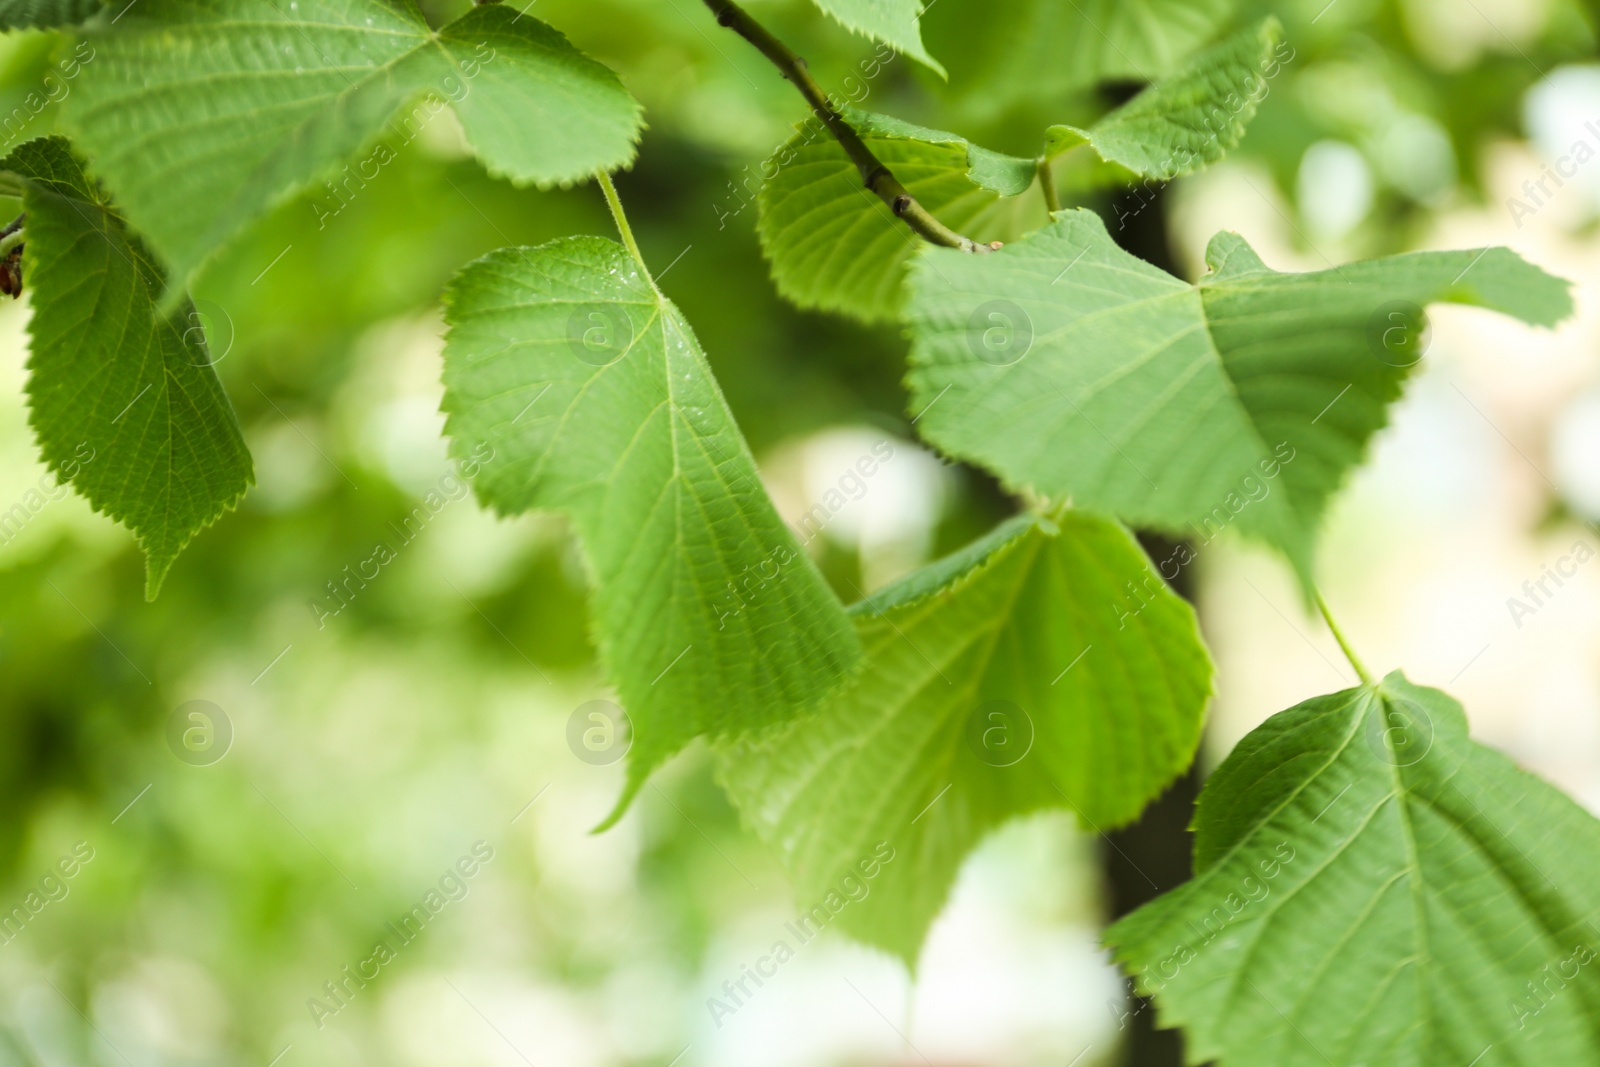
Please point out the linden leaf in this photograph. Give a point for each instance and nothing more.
(1183, 122)
(1373, 887)
(833, 245)
(124, 400)
(1006, 679)
(894, 22)
(1070, 367)
(592, 395)
(1004, 52)
(200, 115)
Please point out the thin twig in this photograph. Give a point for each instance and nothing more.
(11, 241)
(877, 177)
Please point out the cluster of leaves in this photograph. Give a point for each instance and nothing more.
(1045, 666)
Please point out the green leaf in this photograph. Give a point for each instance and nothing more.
(835, 246)
(1373, 887)
(199, 114)
(592, 395)
(894, 22)
(1070, 367)
(1006, 52)
(124, 401)
(1012, 677)
(1184, 122)
(20, 14)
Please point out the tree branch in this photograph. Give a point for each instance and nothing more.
(877, 177)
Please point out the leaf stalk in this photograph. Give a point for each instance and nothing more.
(614, 202)
(1338, 635)
(1047, 185)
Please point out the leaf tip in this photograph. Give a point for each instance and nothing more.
(638, 772)
(156, 568)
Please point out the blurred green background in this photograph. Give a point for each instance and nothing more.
(371, 752)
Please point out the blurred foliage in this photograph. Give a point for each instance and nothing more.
(369, 754)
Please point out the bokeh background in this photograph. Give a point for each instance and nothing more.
(370, 752)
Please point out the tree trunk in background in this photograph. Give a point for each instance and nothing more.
(1138, 863)
(1149, 857)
